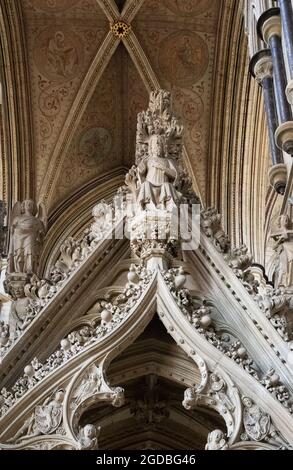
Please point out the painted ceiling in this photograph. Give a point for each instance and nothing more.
(87, 86)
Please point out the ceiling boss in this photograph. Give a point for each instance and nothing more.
(120, 29)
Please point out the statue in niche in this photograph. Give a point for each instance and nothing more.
(284, 267)
(282, 235)
(157, 176)
(27, 233)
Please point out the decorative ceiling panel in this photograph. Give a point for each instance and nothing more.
(106, 134)
(179, 39)
(62, 39)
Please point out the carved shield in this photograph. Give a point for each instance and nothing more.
(256, 423)
(48, 417)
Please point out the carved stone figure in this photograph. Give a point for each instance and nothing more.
(270, 379)
(118, 398)
(103, 215)
(19, 315)
(153, 183)
(239, 260)
(39, 290)
(211, 224)
(4, 333)
(88, 437)
(218, 390)
(45, 419)
(158, 147)
(89, 385)
(190, 399)
(216, 441)
(157, 175)
(284, 268)
(282, 236)
(256, 422)
(27, 232)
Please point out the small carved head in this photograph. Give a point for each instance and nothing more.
(59, 396)
(215, 378)
(215, 436)
(90, 431)
(158, 146)
(17, 290)
(247, 402)
(29, 206)
(101, 210)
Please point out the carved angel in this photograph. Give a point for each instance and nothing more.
(90, 384)
(27, 232)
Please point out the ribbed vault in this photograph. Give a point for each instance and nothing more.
(72, 91)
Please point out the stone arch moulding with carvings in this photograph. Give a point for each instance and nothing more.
(81, 387)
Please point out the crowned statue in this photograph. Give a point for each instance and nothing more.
(157, 176)
(155, 183)
(154, 179)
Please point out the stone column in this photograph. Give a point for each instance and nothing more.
(261, 68)
(269, 29)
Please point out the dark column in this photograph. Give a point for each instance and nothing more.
(261, 68)
(280, 78)
(270, 31)
(3, 228)
(287, 26)
(272, 119)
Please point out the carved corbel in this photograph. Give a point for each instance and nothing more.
(88, 387)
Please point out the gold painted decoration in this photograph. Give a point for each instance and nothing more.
(120, 29)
